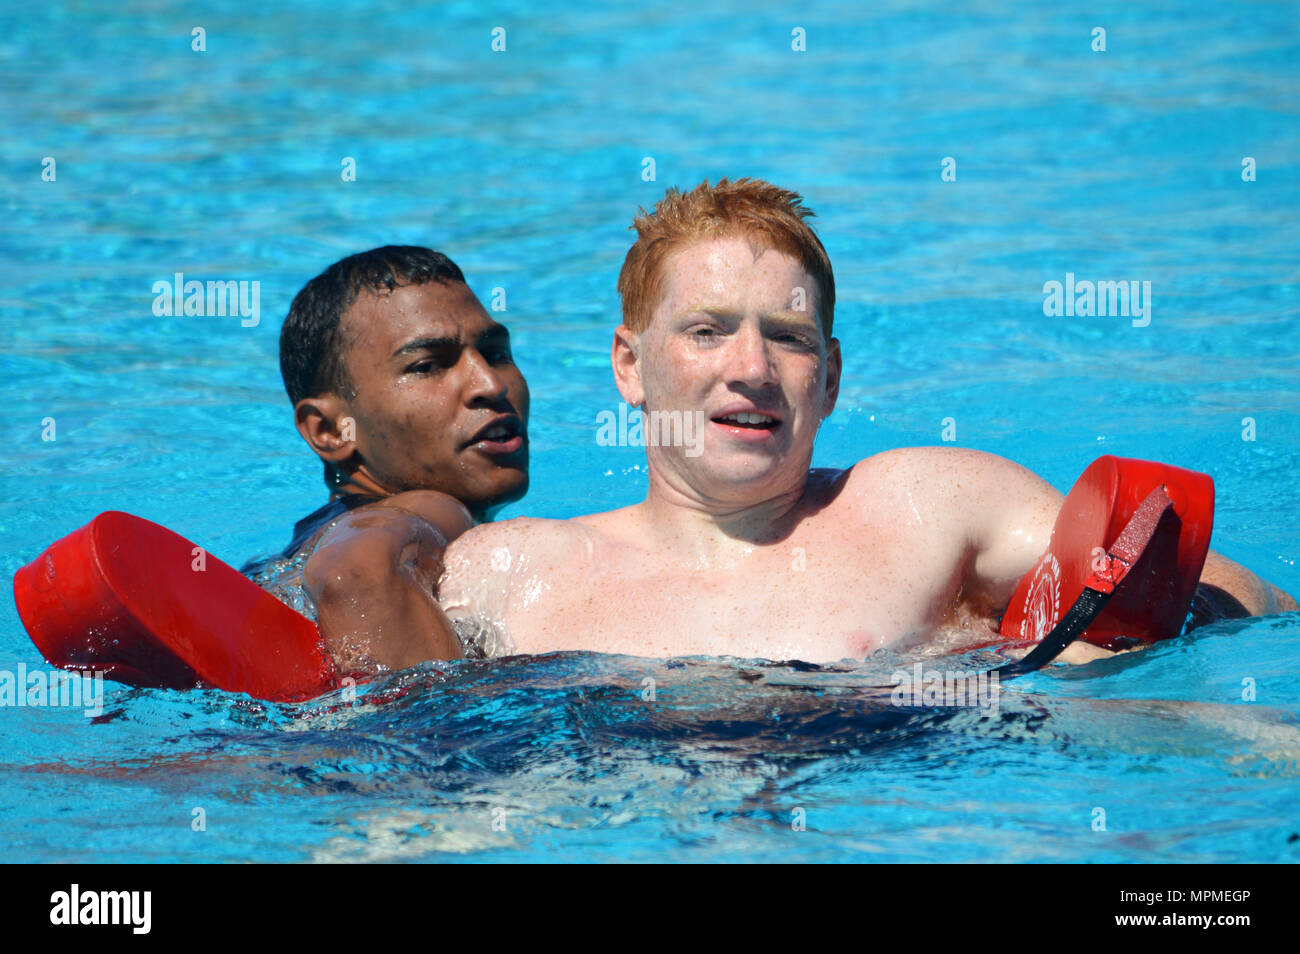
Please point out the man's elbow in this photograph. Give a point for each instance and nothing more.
(1234, 591)
(1286, 603)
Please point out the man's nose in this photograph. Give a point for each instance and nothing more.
(484, 382)
(750, 361)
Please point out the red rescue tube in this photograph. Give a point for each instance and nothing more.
(147, 607)
(1153, 600)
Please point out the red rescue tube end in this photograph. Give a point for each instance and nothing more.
(1152, 601)
(147, 607)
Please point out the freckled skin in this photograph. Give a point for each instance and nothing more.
(709, 562)
(741, 551)
(869, 579)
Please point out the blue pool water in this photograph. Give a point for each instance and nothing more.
(526, 167)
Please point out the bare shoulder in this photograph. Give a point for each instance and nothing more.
(519, 532)
(493, 568)
(960, 492)
(998, 513)
(509, 545)
(441, 511)
(937, 462)
(381, 530)
(946, 473)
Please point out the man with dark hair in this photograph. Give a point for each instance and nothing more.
(405, 387)
(740, 547)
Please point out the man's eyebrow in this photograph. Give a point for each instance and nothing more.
(784, 317)
(791, 317)
(717, 311)
(427, 343)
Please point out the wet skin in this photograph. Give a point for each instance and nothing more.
(740, 551)
(431, 374)
(434, 426)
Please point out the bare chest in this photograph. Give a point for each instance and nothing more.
(819, 596)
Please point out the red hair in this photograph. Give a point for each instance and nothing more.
(771, 218)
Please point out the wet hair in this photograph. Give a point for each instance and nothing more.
(769, 217)
(312, 345)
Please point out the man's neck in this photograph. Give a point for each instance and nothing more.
(359, 483)
(367, 486)
(681, 517)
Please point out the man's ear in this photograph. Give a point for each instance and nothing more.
(627, 374)
(327, 426)
(834, 368)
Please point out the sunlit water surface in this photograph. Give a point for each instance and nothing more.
(526, 167)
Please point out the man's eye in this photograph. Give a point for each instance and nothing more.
(499, 356)
(426, 366)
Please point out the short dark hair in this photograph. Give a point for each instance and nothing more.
(311, 345)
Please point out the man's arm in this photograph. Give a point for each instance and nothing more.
(497, 577)
(373, 578)
(1008, 512)
(1011, 526)
(1229, 590)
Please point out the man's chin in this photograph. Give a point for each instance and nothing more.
(500, 493)
(518, 491)
(742, 484)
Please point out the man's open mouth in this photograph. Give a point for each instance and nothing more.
(503, 435)
(749, 421)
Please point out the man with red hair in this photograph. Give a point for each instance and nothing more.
(739, 548)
